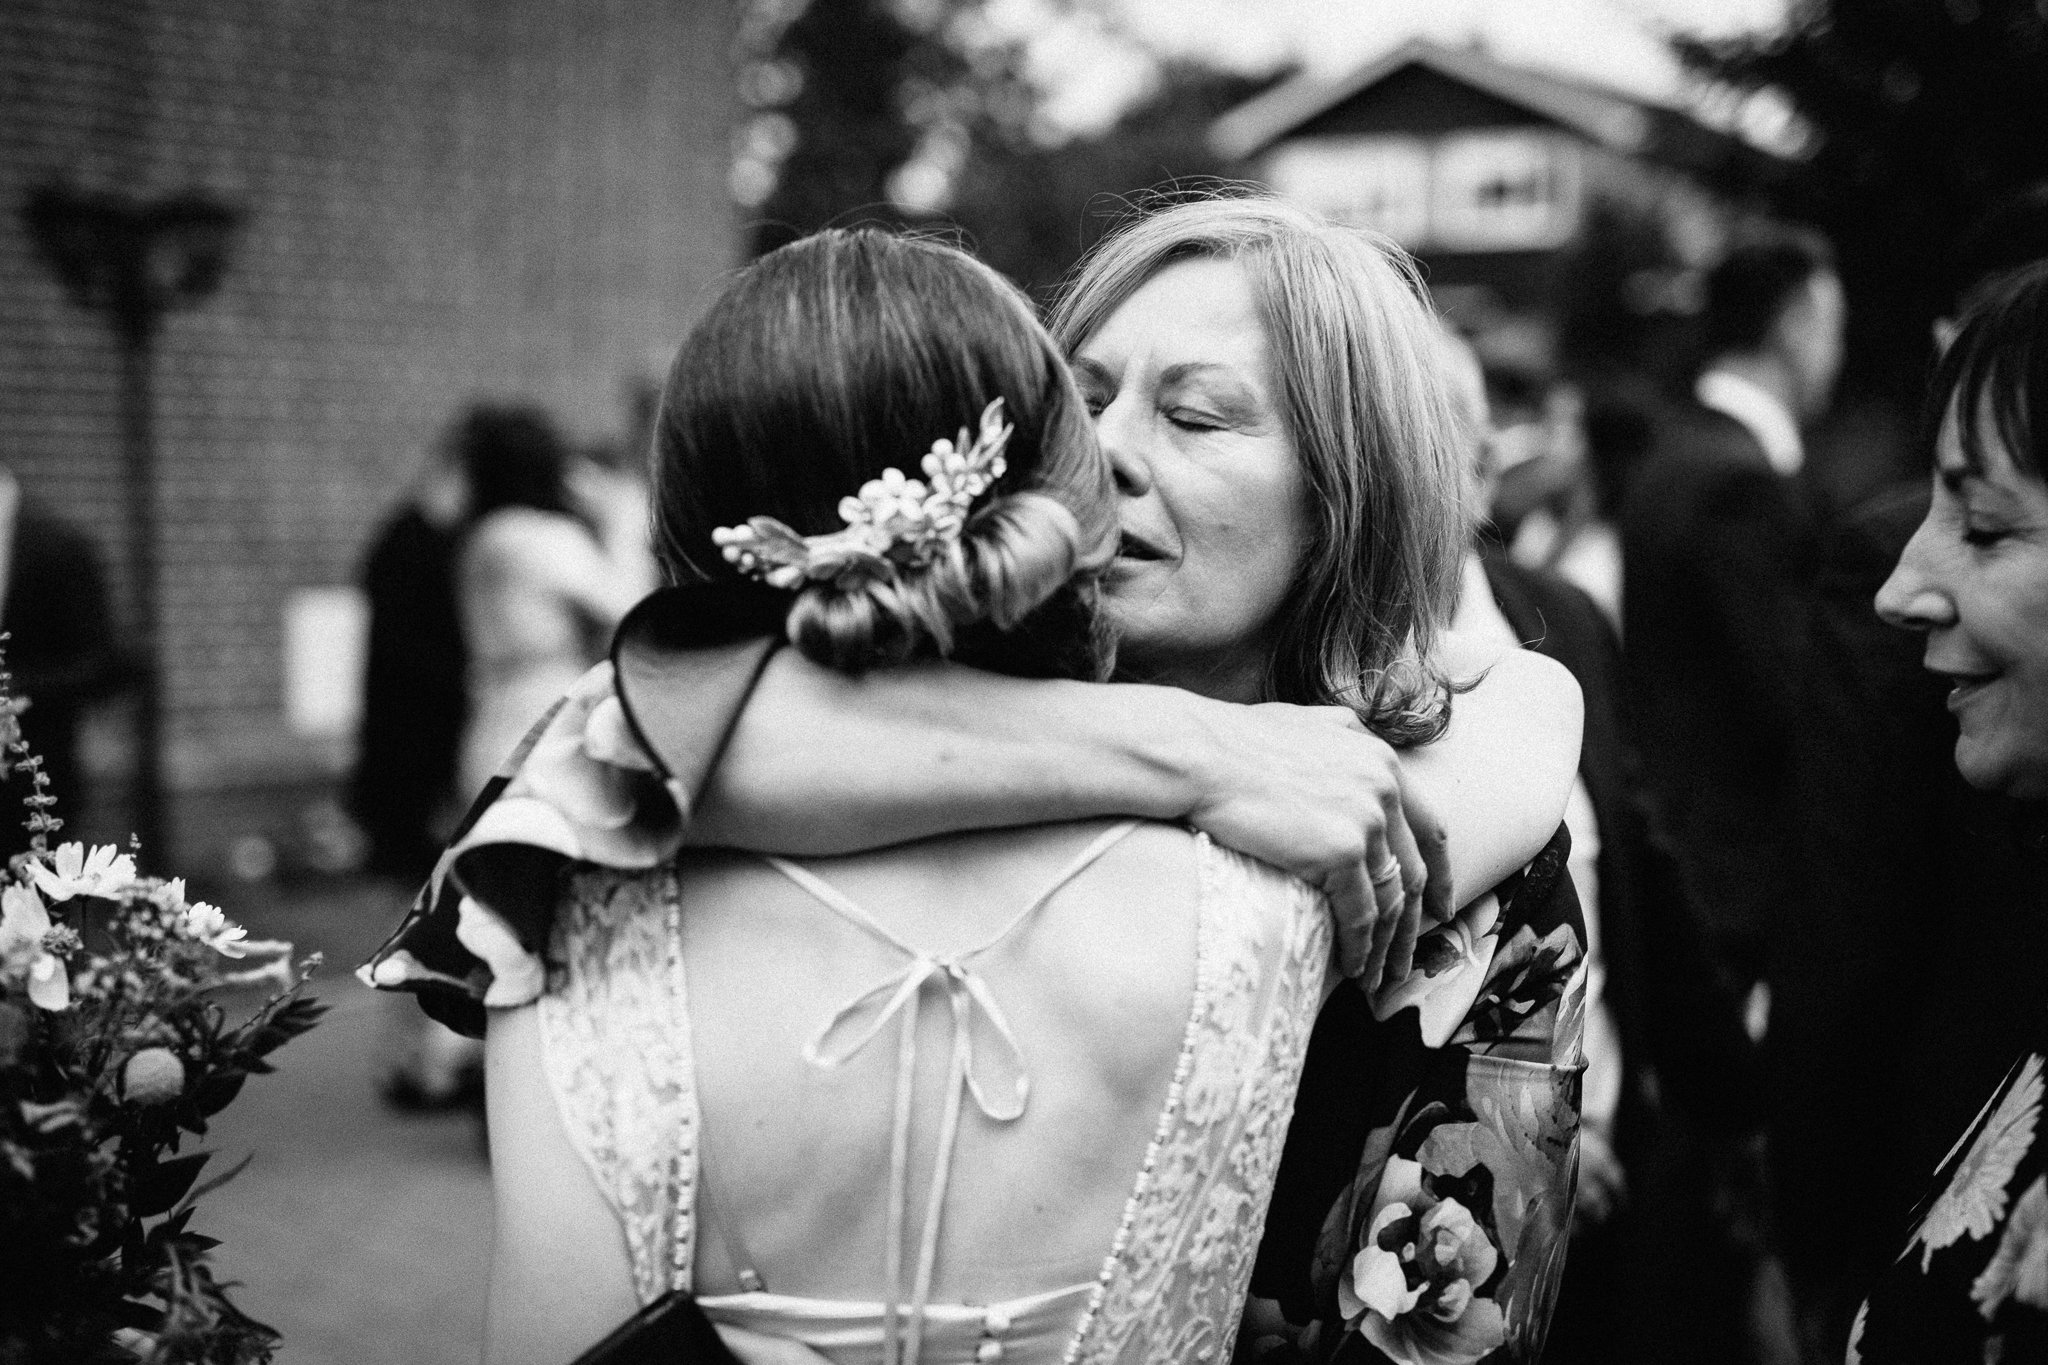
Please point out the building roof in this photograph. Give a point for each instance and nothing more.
(1607, 118)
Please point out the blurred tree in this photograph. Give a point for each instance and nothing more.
(1629, 300)
(909, 112)
(839, 89)
(1031, 210)
(1924, 113)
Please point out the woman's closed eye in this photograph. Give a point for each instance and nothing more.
(1195, 419)
(1983, 537)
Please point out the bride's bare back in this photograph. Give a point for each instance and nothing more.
(658, 1124)
(1096, 986)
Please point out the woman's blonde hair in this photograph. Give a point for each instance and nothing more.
(847, 353)
(1366, 398)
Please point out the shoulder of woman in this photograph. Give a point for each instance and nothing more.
(1549, 682)
(1545, 694)
(580, 791)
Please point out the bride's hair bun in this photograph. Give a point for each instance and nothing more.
(1013, 555)
(846, 354)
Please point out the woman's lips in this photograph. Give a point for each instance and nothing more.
(1964, 687)
(1130, 547)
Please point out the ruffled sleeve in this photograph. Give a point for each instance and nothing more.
(607, 778)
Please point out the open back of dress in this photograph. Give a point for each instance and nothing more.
(618, 1037)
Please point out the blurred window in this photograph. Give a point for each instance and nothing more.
(1371, 182)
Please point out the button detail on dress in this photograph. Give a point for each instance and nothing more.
(995, 1321)
(989, 1350)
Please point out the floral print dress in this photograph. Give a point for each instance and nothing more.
(1424, 1201)
(1972, 1282)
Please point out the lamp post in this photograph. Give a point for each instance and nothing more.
(135, 261)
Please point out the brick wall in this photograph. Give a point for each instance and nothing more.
(444, 199)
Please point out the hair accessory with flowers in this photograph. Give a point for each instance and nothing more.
(893, 524)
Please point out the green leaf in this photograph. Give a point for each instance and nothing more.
(207, 1187)
(218, 1091)
(277, 1023)
(159, 1187)
(133, 1243)
(294, 1017)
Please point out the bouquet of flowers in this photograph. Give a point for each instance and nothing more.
(113, 1050)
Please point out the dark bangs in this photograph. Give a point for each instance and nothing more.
(1999, 360)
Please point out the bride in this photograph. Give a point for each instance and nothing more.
(1016, 1094)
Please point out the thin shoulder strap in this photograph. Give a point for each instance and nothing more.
(861, 1020)
(840, 903)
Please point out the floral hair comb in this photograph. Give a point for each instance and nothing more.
(894, 523)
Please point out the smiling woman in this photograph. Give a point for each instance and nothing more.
(1973, 1283)
(1975, 575)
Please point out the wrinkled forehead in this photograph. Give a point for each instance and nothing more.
(1194, 311)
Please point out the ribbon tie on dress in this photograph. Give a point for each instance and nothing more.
(966, 993)
(1002, 1098)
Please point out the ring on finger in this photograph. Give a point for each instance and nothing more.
(1389, 870)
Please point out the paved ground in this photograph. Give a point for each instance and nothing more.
(362, 1235)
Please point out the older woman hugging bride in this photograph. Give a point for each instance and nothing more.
(1018, 1093)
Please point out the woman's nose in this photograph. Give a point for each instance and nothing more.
(1116, 429)
(1912, 598)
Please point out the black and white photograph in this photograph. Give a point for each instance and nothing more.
(1063, 682)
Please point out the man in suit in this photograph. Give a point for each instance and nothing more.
(1715, 534)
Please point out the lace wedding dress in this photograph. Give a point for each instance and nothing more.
(617, 1029)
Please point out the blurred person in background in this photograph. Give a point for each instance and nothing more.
(611, 482)
(1971, 1283)
(1875, 1063)
(60, 648)
(1616, 436)
(415, 683)
(1668, 1258)
(546, 565)
(1716, 531)
(1532, 458)
(1548, 508)
(550, 562)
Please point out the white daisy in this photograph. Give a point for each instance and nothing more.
(211, 926)
(71, 871)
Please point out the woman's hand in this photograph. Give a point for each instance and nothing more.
(1307, 789)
